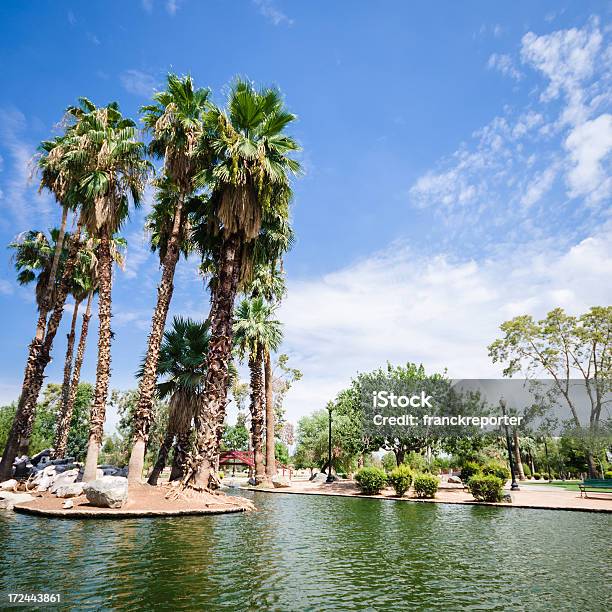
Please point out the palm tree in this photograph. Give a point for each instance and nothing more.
(268, 282)
(182, 365)
(85, 287)
(176, 124)
(59, 173)
(252, 163)
(115, 172)
(255, 333)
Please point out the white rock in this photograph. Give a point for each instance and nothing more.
(454, 479)
(8, 500)
(8, 485)
(69, 490)
(68, 504)
(107, 492)
(63, 479)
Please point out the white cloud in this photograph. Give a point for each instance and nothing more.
(506, 175)
(147, 5)
(19, 191)
(172, 7)
(589, 146)
(442, 312)
(504, 64)
(271, 12)
(540, 185)
(138, 83)
(138, 253)
(6, 288)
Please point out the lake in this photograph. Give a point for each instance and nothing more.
(301, 552)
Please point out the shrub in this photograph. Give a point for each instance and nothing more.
(494, 468)
(486, 487)
(425, 485)
(371, 480)
(468, 469)
(526, 470)
(545, 475)
(608, 474)
(400, 479)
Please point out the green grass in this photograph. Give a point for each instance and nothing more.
(568, 485)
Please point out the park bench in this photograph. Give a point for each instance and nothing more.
(595, 485)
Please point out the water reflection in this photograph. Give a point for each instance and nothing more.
(316, 553)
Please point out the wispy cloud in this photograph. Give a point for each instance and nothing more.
(542, 170)
(138, 82)
(71, 18)
(271, 12)
(18, 192)
(172, 6)
(441, 311)
(504, 64)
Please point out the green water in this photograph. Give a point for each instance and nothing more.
(317, 553)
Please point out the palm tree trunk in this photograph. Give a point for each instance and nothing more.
(270, 445)
(142, 417)
(257, 416)
(67, 373)
(98, 408)
(517, 456)
(18, 440)
(162, 457)
(211, 412)
(181, 451)
(63, 428)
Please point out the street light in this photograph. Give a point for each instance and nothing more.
(330, 478)
(514, 486)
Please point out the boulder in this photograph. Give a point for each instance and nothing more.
(69, 490)
(68, 504)
(23, 467)
(280, 482)
(43, 456)
(8, 485)
(454, 480)
(507, 498)
(8, 499)
(320, 477)
(65, 478)
(107, 492)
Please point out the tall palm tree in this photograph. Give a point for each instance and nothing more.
(59, 173)
(182, 366)
(175, 122)
(252, 162)
(115, 173)
(85, 287)
(255, 333)
(268, 282)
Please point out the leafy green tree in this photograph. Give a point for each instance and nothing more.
(281, 452)
(562, 347)
(389, 462)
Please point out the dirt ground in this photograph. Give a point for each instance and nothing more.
(143, 500)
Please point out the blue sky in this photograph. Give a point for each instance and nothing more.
(456, 155)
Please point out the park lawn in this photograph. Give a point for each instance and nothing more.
(568, 485)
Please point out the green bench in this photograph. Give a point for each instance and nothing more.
(595, 485)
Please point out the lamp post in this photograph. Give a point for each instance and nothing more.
(330, 478)
(514, 486)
